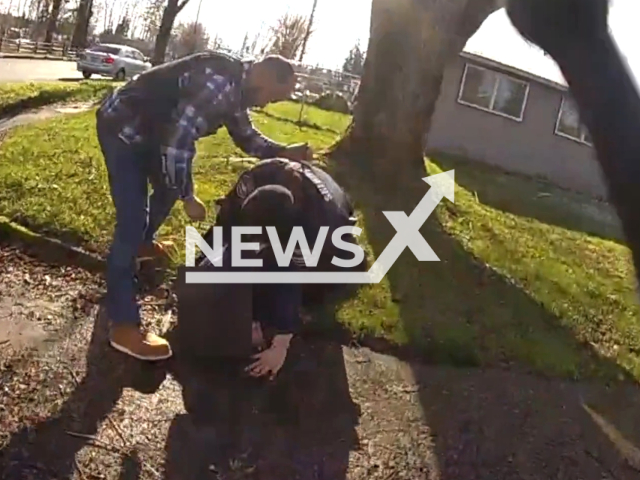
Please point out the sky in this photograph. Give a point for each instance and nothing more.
(340, 24)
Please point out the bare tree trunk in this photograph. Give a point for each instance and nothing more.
(171, 11)
(410, 43)
(52, 22)
(380, 160)
(81, 28)
(42, 17)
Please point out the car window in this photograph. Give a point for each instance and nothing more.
(138, 55)
(105, 49)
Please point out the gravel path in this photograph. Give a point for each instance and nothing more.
(70, 407)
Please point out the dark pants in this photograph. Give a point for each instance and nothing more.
(138, 218)
(277, 306)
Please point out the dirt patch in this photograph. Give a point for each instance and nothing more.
(36, 300)
(77, 409)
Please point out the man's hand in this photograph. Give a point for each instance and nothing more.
(271, 360)
(298, 152)
(195, 209)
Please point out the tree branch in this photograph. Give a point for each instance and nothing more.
(181, 5)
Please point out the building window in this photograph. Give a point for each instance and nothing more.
(569, 125)
(493, 92)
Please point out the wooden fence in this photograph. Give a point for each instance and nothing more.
(29, 47)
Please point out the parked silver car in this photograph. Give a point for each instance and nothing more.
(109, 60)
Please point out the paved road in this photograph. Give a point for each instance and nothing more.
(19, 70)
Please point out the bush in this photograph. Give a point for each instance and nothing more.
(334, 102)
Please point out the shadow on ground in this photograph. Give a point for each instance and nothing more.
(470, 424)
(459, 311)
(493, 424)
(300, 426)
(48, 449)
(534, 198)
(80, 79)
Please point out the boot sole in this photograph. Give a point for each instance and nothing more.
(126, 351)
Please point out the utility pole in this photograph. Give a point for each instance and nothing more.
(198, 14)
(195, 28)
(307, 34)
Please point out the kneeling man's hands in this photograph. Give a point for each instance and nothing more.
(270, 361)
(195, 209)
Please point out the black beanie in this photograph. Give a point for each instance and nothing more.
(270, 206)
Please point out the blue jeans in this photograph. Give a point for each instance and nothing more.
(138, 218)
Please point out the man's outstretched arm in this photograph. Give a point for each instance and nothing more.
(250, 140)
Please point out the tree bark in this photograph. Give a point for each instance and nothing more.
(81, 29)
(380, 159)
(52, 22)
(171, 11)
(410, 43)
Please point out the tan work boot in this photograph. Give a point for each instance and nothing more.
(146, 346)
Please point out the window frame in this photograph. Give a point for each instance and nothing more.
(137, 55)
(498, 76)
(581, 140)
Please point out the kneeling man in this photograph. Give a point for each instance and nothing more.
(285, 194)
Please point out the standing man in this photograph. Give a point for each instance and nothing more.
(147, 131)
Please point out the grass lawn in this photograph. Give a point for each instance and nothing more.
(536, 198)
(556, 300)
(17, 96)
(311, 116)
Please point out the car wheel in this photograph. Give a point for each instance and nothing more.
(120, 75)
(86, 75)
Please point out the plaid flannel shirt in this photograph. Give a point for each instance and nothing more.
(216, 98)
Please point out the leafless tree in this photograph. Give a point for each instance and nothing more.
(288, 35)
(83, 18)
(52, 21)
(169, 14)
(189, 38)
(151, 18)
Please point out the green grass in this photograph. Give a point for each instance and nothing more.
(311, 116)
(535, 198)
(555, 299)
(65, 167)
(17, 96)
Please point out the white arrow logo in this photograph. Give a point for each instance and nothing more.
(407, 235)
